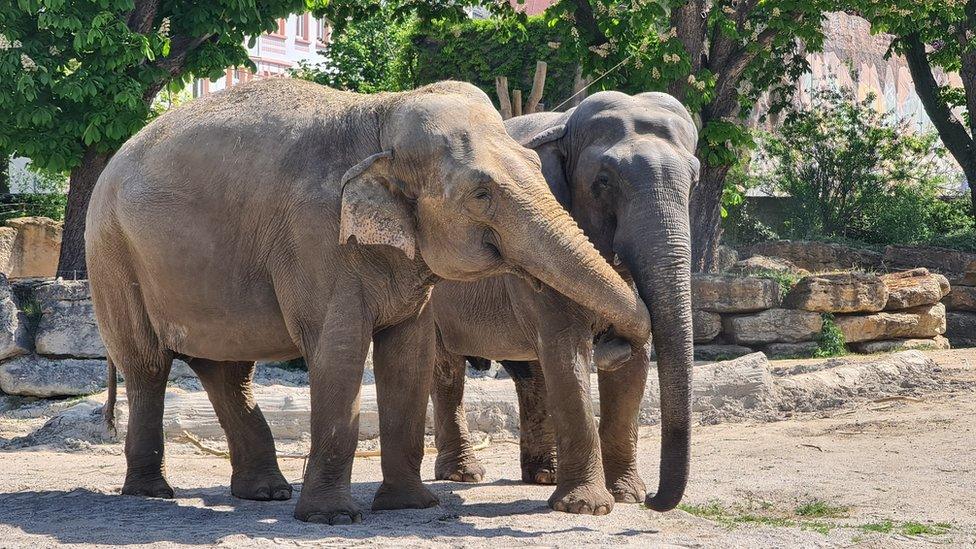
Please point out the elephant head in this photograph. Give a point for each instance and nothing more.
(624, 166)
(450, 183)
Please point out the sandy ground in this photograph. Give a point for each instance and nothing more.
(896, 473)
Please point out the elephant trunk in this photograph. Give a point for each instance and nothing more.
(662, 272)
(554, 250)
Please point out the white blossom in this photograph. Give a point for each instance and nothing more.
(776, 12)
(655, 74)
(28, 63)
(164, 27)
(17, 44)
(53, 50)
(4, 42)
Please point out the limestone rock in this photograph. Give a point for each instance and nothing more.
(746, 379)
(803, 349)
(772, 326)
(730, 294)
(961, 298)
(961, 328)
(943, 260)
(14, 339)
(37, 376)
(838, 293)
(913, 288)
(968, 278)
(761, 263)
(67, 326)
(926, 321)
(726, 258)
(818, 256)
(888, 345)
(33, 249)
(720, 352)
(706, 325)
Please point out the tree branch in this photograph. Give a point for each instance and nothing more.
(585, 20)
(142, 16)
(953, 133)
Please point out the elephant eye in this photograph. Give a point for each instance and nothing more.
(601, 184)
(482, 194)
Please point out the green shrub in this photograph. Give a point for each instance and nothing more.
(831, 341)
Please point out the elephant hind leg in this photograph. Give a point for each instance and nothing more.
(537, 436)
(252, 450)
(456, 460)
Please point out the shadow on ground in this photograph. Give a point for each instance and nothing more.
(206, 516)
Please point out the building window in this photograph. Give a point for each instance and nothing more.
(301, 27)
(322, 30)
(280, 31)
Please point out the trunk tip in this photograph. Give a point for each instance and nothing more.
(662, 502)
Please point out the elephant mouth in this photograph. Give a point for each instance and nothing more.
(532, 281)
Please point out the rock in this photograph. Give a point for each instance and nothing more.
(966, 279)
(29, 247)
(772, 326)
(804, 349)
(913, 288)
(961, 298)
(67, 326)
(14, 339)
(731, 294)
(33, 375)
(762, 264)
(926, 321)
(745, 379)
(818, 256)
(943, 260)
(888, 345)
(726, 258)
(720, 352)
(961, 328)
(706, 325)
(838, 293)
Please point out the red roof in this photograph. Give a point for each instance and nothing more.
(532, 7)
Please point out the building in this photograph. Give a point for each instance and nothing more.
(299, 37)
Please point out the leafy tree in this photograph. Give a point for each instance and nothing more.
(936, 35)
(78, 78)
(719, 57)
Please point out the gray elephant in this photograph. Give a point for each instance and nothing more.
(623, 166)
(282, 219)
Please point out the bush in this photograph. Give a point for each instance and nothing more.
(45, 197)
(858, 175)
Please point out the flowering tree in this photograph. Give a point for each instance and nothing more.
(78, 78)
(936, 35)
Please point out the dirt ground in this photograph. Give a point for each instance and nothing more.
(892, 472)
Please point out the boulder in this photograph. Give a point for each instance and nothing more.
(961, 298)
(838, 293)
(772, 326)
(732, 294)
(746, 379)
(967, 278)
(818, 256)
(913, 288)
(720, 352)
(14, 339)
(803, 349)
(37, 376)
(29, 247)
(926, 321)
(726, 258)
(961, 328)
(889, 345)
(759, 264)
(706, 325)
(943, 260)
(67, 326)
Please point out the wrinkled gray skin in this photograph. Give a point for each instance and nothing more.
(623, 166)
(283, 219)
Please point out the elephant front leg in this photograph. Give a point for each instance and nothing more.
(336, 358)
(580, 484)
(455, 453)
(403, 362)
(620, 396)
(537, 436)
(252, 450)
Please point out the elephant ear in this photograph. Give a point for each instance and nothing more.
(547, 145)
(373, 209)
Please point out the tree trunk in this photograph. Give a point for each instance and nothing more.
(706, 218)
(4, 174)
(71, 262)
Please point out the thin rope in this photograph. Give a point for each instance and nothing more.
(597, 79)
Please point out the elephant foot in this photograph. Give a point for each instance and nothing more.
(334, 509)
(540, 470)
(587, 499)
(627, 487)
(415, 496)
(260, 486)
(458, 469)
(154, 487)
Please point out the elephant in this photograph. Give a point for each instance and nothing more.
(281, 219)
(623, 166)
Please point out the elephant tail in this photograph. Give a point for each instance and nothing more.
(108, 411)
